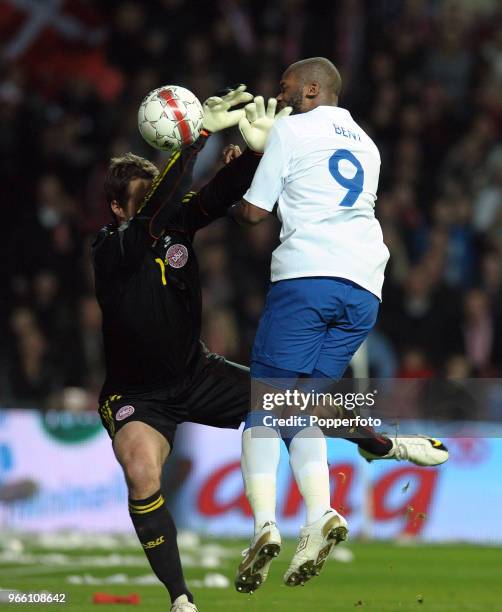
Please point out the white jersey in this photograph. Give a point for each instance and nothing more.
(323, 170)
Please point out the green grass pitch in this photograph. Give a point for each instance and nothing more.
(381, 577)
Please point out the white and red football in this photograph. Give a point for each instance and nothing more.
(170, 117)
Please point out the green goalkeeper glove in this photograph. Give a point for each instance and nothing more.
(216, 110)
(258, 122)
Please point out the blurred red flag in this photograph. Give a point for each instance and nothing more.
(56, 41)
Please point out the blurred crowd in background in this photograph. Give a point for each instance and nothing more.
(424, 78)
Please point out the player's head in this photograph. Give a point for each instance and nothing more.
(310, 83)
(127, 181)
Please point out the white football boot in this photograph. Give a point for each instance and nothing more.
(420, 450)
(181, 604)
(314, 545)
(264, 548)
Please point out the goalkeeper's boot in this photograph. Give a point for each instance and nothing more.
(181, 604)
(420, 450)
(314, 546)
(264, 548)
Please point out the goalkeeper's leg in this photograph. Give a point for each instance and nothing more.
(141, 451)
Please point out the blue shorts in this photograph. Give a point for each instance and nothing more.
(312, 324)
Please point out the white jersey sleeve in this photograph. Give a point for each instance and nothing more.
(268, 181)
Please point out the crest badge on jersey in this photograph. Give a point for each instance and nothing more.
(177, 255)
(124, 412)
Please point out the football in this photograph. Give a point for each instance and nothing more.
(170, 117)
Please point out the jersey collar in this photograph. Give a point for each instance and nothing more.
(335, 109)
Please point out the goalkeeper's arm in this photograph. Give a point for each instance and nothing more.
(226, 188)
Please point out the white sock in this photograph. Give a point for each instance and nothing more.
(309, 461)
(261, 451)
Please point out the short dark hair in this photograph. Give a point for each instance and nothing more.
(319, 69)
(124, 169)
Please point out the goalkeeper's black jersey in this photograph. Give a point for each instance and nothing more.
(147, 279)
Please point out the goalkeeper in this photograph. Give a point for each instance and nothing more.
(158, 374)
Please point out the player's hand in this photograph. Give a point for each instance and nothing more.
(217, 115)
(258, 122)
(230, 152)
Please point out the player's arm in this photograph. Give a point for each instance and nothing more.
(160, 205)
(219, 114)
(258, 202)
(231, 183)
(226, 188)
(123, 247)
(176, 177)
(246, 213)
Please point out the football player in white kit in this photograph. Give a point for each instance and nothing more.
(327, 275)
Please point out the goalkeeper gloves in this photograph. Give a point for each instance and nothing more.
(258, 122)
(217, 115)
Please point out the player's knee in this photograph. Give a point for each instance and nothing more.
(142, 474)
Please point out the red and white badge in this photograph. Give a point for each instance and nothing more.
(177, 255)
(124, 412)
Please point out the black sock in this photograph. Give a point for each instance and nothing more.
(377, 445)
(157, 533)
(366, 437)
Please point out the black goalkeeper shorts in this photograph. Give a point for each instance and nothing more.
(218, 395)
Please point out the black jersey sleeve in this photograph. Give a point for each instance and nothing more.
(123, 247)
(161, 205)
(216, 197)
